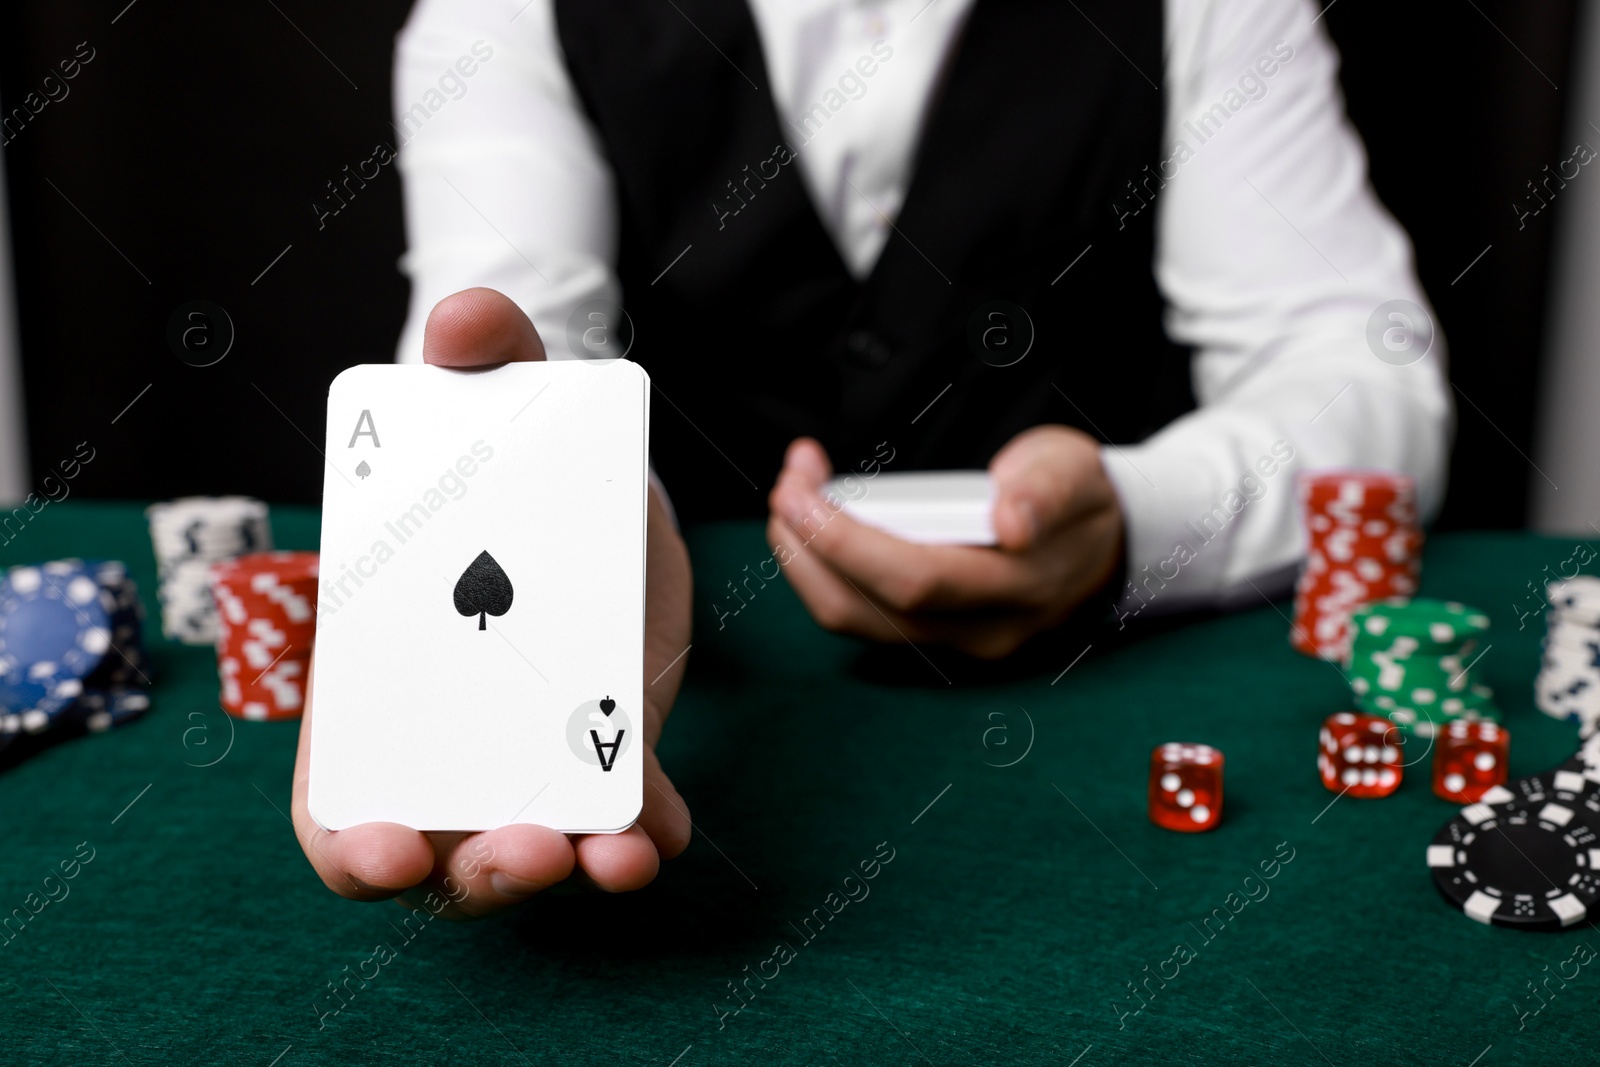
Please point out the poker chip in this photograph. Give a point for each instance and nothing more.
(1427, 720)
(266, 610)
(1363, 544)
(1424, 625)
(1414, 661)
(71, 647)
(1568, 684)
(1586, 765)
(53, 616)
(126, 663)
(189, 536)
(1580, 595)
(119, 644)
(1527, 855)
(37, 699)
(98, 710)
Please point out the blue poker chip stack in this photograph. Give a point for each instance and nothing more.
(37, 701)
(71, 647)
(127, 664)
(53, 616)
(101, 709)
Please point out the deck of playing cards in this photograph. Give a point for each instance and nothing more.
(480, 629)
(925, 507)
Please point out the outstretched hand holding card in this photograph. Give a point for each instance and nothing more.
(480, 633)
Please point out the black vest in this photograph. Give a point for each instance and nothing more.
(1035, 148)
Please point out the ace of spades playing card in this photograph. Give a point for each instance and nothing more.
(480, 616)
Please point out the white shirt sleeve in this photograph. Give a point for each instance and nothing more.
(1273, 253)
(505, 182)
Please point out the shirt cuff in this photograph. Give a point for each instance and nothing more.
(1191, 520)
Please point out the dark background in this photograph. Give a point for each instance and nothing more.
(197, 139)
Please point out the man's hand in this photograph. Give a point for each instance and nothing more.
(1059, 526)
(489, 871)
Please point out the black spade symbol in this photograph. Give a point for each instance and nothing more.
(483, 589)
(607, 706)
(362, 470)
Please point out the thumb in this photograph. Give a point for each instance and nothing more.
(1035, 476)
(478, 328)
(806, 460)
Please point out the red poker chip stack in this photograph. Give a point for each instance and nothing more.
(267, 614)
(1364, 544)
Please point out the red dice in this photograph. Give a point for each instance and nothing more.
(1360, 754)
(1469, 759)
(1185, 787)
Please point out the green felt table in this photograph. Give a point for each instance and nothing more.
(1019, 902)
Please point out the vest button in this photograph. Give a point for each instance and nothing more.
(866, 348)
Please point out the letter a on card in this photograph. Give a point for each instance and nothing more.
(365, 419)
(600, 749)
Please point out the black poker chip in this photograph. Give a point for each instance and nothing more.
(1527, 855)
(1586, 762)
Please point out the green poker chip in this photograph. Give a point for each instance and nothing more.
(1429, 722)
(1419, 625)
(1405, 676)
(1414, 662)
(1424, 717)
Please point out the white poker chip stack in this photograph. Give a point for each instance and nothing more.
(189, 535)
(1568, 686)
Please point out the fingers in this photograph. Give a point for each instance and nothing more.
(831, 600)
(373, 861)
(898, 574)
(480, 874)
(668, 610)
(665, 818)
(619, 863)
(479, 328)
(1044, 478)
(468, 874)
(842, 608)
(1055, 496)
(858, 580)
(846, 608)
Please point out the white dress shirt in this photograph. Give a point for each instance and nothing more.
(1272, 251)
